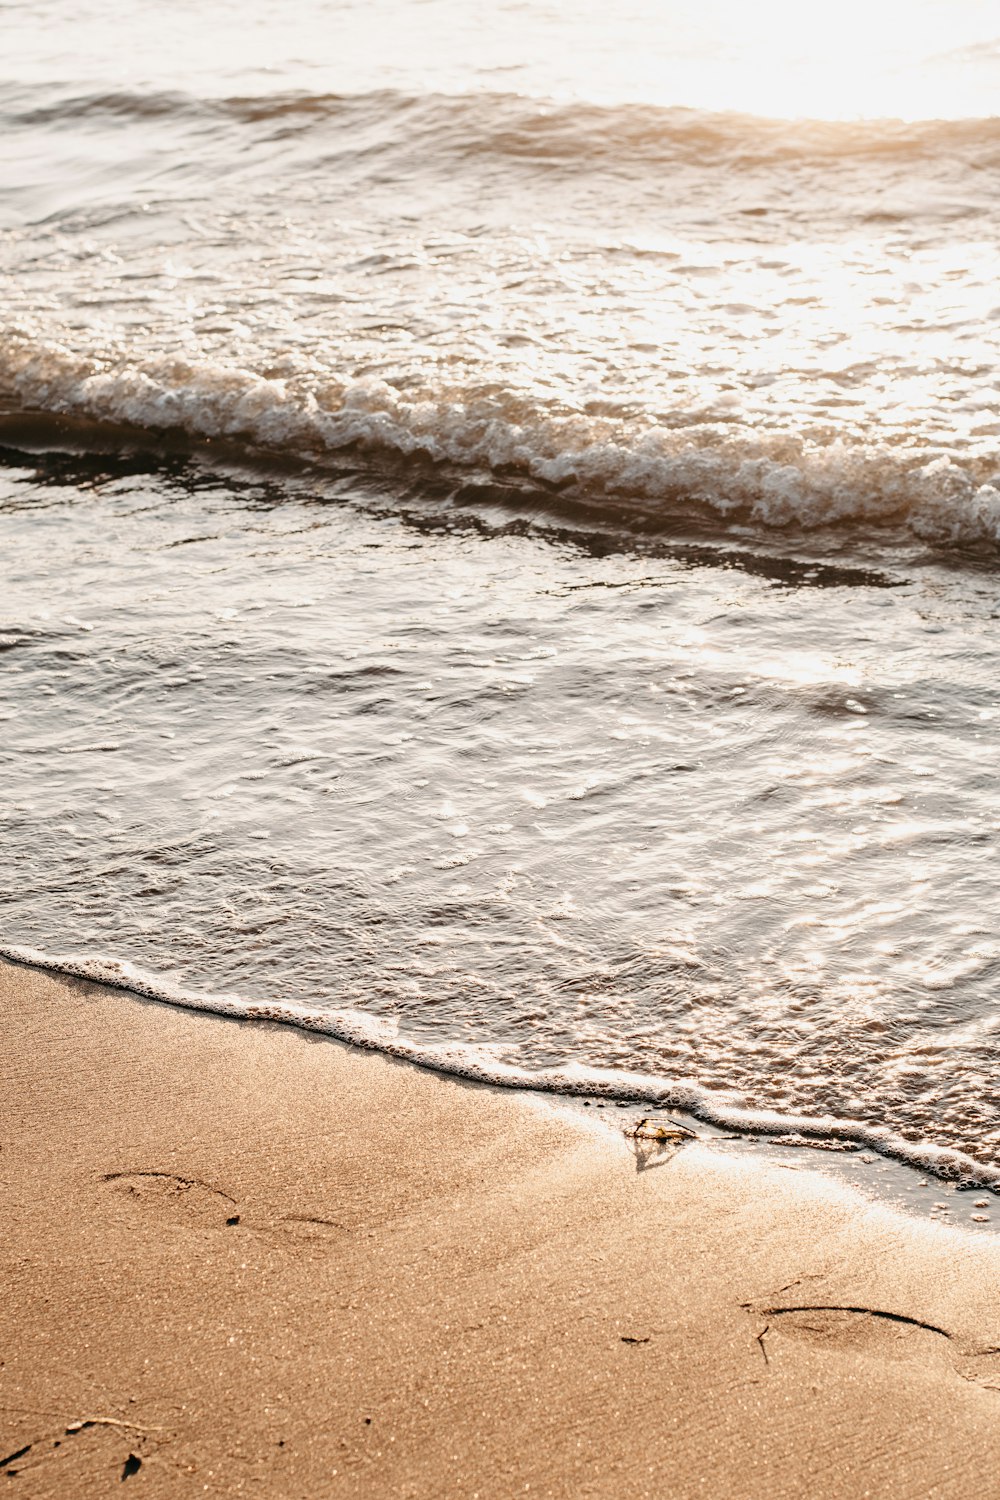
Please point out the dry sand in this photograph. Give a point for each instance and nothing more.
(241, 1260)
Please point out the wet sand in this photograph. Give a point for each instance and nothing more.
(241, 1260)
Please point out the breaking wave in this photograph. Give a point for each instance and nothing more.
(629, 472)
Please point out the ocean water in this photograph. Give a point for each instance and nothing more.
(499, 510)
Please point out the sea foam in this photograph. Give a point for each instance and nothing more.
(631, 472)
(479, 1065)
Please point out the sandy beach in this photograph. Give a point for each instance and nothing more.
(238, 1260)
(500, 535)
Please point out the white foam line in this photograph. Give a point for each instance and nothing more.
(374, 1034)
(774, 479)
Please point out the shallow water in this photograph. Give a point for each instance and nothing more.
(536, 808)
(499, 527)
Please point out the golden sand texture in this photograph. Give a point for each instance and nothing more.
(238, 1260)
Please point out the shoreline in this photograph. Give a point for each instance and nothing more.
(947, 1165)
(243, 1259)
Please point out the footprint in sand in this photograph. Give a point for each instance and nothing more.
(877, 1332)
(183, 1199)
(188, 1200)
(301, 1232)
(305, 1227)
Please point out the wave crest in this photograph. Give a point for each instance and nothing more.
(626, 472)
(517, 125)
